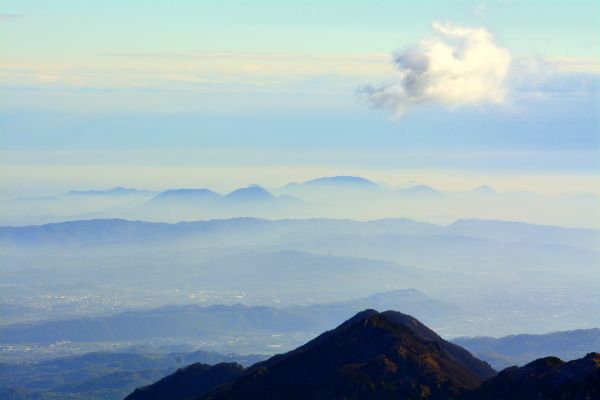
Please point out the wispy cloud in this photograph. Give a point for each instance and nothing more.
(174, 70)
(240, 55)
(585, 65)
(108, 78)
(460, 66)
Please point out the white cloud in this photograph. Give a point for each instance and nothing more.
(460, 66)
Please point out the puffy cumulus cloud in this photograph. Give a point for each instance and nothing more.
(460, 66)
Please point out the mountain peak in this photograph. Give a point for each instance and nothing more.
(380, 355)
(371, 355)
(250, 193)
(484, 189)
(116, 191)
(342, 180)
(185, 196)
(420, 190)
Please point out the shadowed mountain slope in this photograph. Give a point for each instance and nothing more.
(547, 378)
(385, 355)
(193, 380)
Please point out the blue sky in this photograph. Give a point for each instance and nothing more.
(234, 89)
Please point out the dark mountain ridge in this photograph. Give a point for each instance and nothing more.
(385, 355)
(99, 375)
(189, 381)
(388, 355)
(548, 378)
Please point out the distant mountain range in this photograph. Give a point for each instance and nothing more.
(521, 349)
(189, 382)
(510, 231)
(123, 231)
(324, 197)
(118, 191)
(385, 355)
(343, 183)
(289, 262)
(185, 204)
(96, 376)
(205, 197)
(188, 197)
(343, 180)
(336, 190)
(209, 321)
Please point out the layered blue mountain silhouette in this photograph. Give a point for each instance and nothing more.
(333, 196)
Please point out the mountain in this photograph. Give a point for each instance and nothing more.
(343, 181)
(99, 375)
(334, 191)
(420, 191)
(334, 260)
(171, 321)
(195, 204)
(385, 355)
(510, 231)
(116, 191)
(83, 232)
(217, 320)
(99, 231)
(457, 253)
(484, 190)
(263, 260)
(428, 309)
(250, 194)
(521, 349)
(112, 386)
(547, 378)
(340, 196)
(76, 204)
(193, 380)
(187, 197)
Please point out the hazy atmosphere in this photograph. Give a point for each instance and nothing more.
(189, 188)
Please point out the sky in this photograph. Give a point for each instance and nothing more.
(225, 93)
